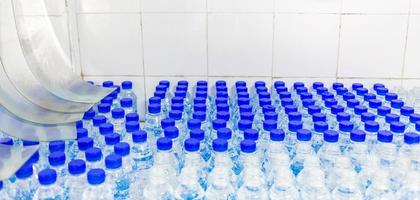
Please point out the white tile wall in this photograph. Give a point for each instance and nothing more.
(95, 6)
(376, 6)
(412, 56)
(240, 5)
(415, 6)
(308, 6)
(39, 7)
(173, 5)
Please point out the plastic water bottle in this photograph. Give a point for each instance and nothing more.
(411, 188)
(358, 149)
(221, 179)
(290, 139)
(97, 189)
(117, 178)
(284, 184)
(398, 129)
(347, 182)
(380, 187)
(58, 163)
(4, 191)
(152, 120)
(132, 117)
(345, 128)
(127, 105)
(405, 113)
(88, 119)
(123, 149)
(105, 110)
(173, 134)
(371, 128)
(118, 118)
(303, 149)
(48, 189)
(311, 181)
(97, 121)
(226, 134)
(75, 183)
(24, 186)
(104, 129)
(83, 144)
(93, 157)
(204, 148)
(190, 180)
(130, 127)
(329, 152)
(163, 174)
(127, 92)
(110, 140)
(386, 150)
(318, 134)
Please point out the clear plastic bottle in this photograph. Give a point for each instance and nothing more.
(276, 156)
(123, 149)
(104, 129)
(380, 187)
(303, 149)
(346, 186)
(345, 128)
(318, 134)
(97, 189)
(118, 118)
(93, 158)
(105, 110)
(411, 189)
(48, 189)
(83, 144)
(25, 185)
(110, 140)
(75, 183)
(173, 133)
(284, 184)
(329, 152)
(405, 113)
(118, 179)
(226, 134)
(130, 127)
(97, 121)
(88, 119)
(398, 129)
(152, 120)
(127, 92)
(290, 139)
(358, 149)
(204, 148)
(127, 105)
(57, 162)
(4, 191)
(386, 150)
(311, 181)
(371, 130)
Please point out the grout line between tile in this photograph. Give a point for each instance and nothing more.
(144, 64)
(406, 42)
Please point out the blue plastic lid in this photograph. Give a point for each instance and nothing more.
(98, 120)
(154, 108)
(277, 135)
(240, 84)
(286, 102)
(341, 91)
(263, 95)
(171, 132)
(382, 91)
(391, 96)
(418, 126)
(104, 108)
(177, 106)
(261, 89)
(358, 110)
(161, 88)
(285, 95)
(223, 115)
(106, 128)
(224, 133)
(243, 95)
(220, 145)
(96, 176)
(113, 161)
(290, 108)
(348, 95)
(321, 90)
(247, 116)
(245, 108)
(132, 117)
(93, 154)
(301, 90)
(200, 115)
(177, 100)
(192, 145)
(383, 110)
(251, 134)
(355, 86)
(268, 108)
(47, 177)
(175, 114)
(357, 136)
(6, 141)
(155, 100)
(346, 126)
(248, 146)
(164, 82)
(26, 143)
(369, 96)
(139, 136)
(34, 158)
(167, 122)
(314, 109)
(414, 117)
(295, 116)
(159, 94)
(281, 89)
(397, 127)
(79, 124)
(127, 85)
(57, 158)
(330, 102)
(221, 100)
(57, 146)
(343, 116)
(202, 83)
(25, 171)
(271, 116)
(295, 125)
(385, 136)
(77, 167)
(164, 143)
(220, 83)
(317, 85)
(264, 102)
(367, 116)
(351, 103)
(375, 103)
(132, 126)
(122, 149)
(391, 117)
(298, 84)
(337, 85)
(197, 134)
(371, 126)
(81, 133)
(85, 143)
(244, 124)
(331, 136)
(194, 124)
(269, 125)
(118, 113)
(88, 115)
(327, 95)
(199, 100)
(182, 88)
(107, 84)
(222, 94)
(335, 109)
(222, 107)
(378, 85)
(308, 102)
(107, 100)
(320, 126)
(201, 89)
(304, 135)
(243, 101)
(397, 103)
(219, 123)
(411, 138)
(201, 94)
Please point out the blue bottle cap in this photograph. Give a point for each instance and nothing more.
(199, 100)
(154, 108)
(383, 110)
(243, 101)
(358, 110)
(320, 126)
(57, 146)
(377, 85)
(222, 107)
(371, 126)
(245, 108)
(34, 158)
(346, 126)
(161, 88)
(301, 90)
(224, 133)
(223, 115)
(337, 85)
(397, 103)
(351, 103)
(382, 91)
(167, 122)
(96, 176)
(397, 127)
(264, 102)
(175, 114)
(411, 138)
(47, 177)
(127, 85)
(194, 124)
(139, 136)
(89, 114)
(240, 84)
(106, 128)
(286, 102)
(57, 158)
(202, 83)
(355, 86)
(392, 118)
(93, 154)
(348, 95)
(107, 84)
(201, 94)
(295, 116)
(277, 135)
(330, 102)
(177, 106)
(220, 83)
(104, 108)
(279, 84)
(367, 116)
(285, 95)
(414, 117)
(222, 94)
(418, 126)
(271, 116)
(248, 146)
(113, 161)
(182, 88)
(200, 115)
(201, 89)
(77, 167)
(321, 90)
(155, 100)
(251, 134)
(261, 89)
(304, 135)
(264, 95)
(107, 100)
(81, 133)
(327, 95)
(343, 116)
(177, 100)
(295, 125)
(391, 96)
(197, 134)
(25, 171)
(247, 116)
(316, 85)
(132, 117)
(6, 141)
(369, 96)
(331, 136)
(79, 124)
(357, 136)
(243, 95)
(385, 136)
(221, 100)
(84, 143)
(219, 123)
(314, 109)
(375, 103)
(281, 89)
(341, 91)
(298, 84)
(269, 125)
(164, 82)
(220, 145)
(290, 108)
(308, 102)
(122, 149)
(26, 143)
(244, 124)
(171, 132)
(335, 109)
(268, 108)
(132, 126)
(192, 145)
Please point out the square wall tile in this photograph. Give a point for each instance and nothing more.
(308, 6)
(306, 45)
(89, 6)
(376, 6)
(230, 81)
(138, 87)
(173, 5)
(41, 7)
(240, 44)
(110, 44)
(372, 46)
(415, 6)
(240, 5)
(412, 58)
(175, 44)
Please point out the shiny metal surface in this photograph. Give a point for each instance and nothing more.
(13, 158)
